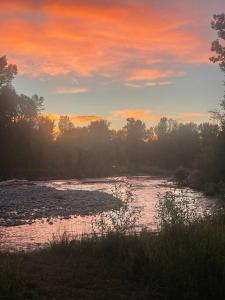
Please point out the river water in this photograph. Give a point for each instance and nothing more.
(146, 190)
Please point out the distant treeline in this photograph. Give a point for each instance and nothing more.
(31, 149)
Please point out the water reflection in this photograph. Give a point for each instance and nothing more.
(25, 237)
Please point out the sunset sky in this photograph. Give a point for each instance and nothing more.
(96, 59)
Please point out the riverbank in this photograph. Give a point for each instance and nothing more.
(117, 171)
(180, 262)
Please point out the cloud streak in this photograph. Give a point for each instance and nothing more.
(71, 90)
(153, 74)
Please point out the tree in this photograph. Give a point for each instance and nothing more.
(218, 24)
(65, 125)
(218, 149)
(135, 130)
(100, 130)
(165, 127)
(99, 148)
(8, 107)
(14, 107)
(46, 127)
(7, 72)
(208, 134)
(18, 124)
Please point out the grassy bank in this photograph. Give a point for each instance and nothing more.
(180, 262)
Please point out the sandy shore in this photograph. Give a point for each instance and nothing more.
(22, 202)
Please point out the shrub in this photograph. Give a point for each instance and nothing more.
(176, 208)
(121, 220)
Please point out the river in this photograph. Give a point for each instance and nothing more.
(146, 190)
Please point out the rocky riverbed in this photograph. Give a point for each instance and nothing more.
(23, 202)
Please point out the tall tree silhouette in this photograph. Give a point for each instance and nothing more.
(218, 24)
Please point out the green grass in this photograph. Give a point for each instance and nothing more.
(180, 262)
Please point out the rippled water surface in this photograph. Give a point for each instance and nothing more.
(27, 236)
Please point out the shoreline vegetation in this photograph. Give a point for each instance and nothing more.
(181, 261)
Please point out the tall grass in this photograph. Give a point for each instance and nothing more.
(179, 262)
(14, 283)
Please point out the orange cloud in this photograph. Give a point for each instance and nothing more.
(151, 74)
(151, 117)
(76, 119)
(71, 90)
(85, 119)
(98, 37)
(143, 114)
(196, 117)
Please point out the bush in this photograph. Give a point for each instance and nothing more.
(176, 208)
(121, 220)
